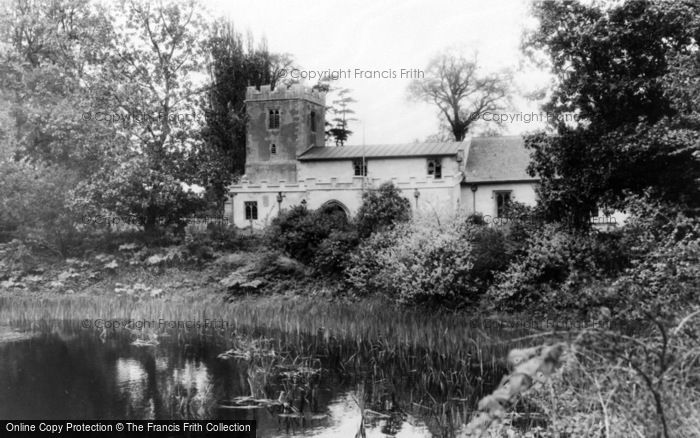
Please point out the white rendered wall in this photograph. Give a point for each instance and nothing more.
(484, 200)
(381, 168)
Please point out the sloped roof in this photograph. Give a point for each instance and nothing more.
(380, 151)
(497, 159)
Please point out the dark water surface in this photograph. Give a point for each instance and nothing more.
(68, 373)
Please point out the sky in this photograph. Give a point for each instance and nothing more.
(388, 36)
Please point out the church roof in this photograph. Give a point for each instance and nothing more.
(381, 151)
(492, 159)
(489, 159)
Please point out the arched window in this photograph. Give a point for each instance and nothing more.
(435, 168)
(273, 149)
(312, 121)
(251, 210)
(502, 202)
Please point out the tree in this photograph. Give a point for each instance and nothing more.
(150, 80)
(52, 54)
(453, 83)
(235, 64)
(338, 129)
(623, 69)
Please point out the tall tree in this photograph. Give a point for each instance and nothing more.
(52, 54)
(338, 128)
(462, 94)
(338, 113)
(236, 63)
(621, 68)
(151, 81)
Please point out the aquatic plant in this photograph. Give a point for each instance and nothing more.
(431, 365)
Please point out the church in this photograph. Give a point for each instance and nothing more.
(288, 164)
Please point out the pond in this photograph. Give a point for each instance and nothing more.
(299, 365)
(293, 385)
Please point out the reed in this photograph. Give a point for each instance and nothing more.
(443, 362)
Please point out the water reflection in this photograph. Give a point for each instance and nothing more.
(76, 374)
(346, 419)
(132, 381)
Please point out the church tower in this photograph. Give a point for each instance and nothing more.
(282, 123)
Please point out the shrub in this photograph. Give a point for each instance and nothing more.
(664, 276)
(366, 263)
(554, 268)
(333, 253)
(136, 189)
(381, 209)
(490, 255)
(417, 262)
(299, 232)
(34, 209)
(200, 245)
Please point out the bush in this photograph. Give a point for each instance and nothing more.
(664, 276)
(381, 209)
(417, 262)
(333, 253)
(556, 265)
(136, 189)
(34, 209)
(490, 254)
(200, 245)
(365, 264)
(325, 238)
(299, 232)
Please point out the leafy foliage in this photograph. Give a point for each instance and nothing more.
(381, 209)
(341, 111)
(299, 232)
(490, 255)
(34, 209)
(236, 63)
(664, 277)
(99, 95)
(417, 262)
(333, 253)
(137, 190)
(52, 54)
(623, 70)
(556, 265)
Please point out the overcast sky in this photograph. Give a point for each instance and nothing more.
(387, 35)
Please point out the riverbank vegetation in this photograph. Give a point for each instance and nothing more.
(630, 359)
(392, 290)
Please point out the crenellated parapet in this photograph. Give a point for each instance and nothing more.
(296, 91)
(356, 183)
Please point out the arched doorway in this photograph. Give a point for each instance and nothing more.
(336, 207)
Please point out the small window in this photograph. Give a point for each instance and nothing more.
(274, 122)
(502, 202)
(435, 168)
(251, 210)
(312, 121)
(359, 167)
(273, 149)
